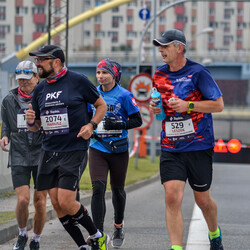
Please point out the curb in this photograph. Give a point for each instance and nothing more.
(9, 230)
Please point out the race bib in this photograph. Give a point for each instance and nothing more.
(55, 121)
(179, 128)
(21, 122)
(109, 133)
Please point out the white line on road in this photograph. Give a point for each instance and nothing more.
(198, 232)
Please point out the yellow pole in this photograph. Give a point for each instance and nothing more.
(23, 53)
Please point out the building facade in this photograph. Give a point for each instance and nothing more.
(217, 31)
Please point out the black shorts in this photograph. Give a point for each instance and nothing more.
(21, 175)
(196, 166)
(61, 170)
(100, 163)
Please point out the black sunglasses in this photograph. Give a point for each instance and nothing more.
(24, 71)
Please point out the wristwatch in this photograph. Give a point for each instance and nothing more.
(93, 124)
(190, 107)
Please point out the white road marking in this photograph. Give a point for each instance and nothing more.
(198, 232)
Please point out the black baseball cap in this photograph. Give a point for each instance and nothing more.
(49, 50)
(170, 36)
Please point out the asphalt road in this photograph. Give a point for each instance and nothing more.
(145, 215)
(231, 190)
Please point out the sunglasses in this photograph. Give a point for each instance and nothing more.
(39, 60)
(24, 71)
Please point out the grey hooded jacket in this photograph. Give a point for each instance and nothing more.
(25, 146)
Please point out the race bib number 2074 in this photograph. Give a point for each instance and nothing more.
(55, 121)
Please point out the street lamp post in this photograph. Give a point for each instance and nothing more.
(152, 20)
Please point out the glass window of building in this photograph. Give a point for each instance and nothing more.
(19, 29)
(2, 12)
(132, 4)
(98, 19)
(116, 9)
(241, 25)
(130, 19)
(131, 34)
(99, 2)
(86, 33)
(116, 20)
(240, 12)
(2, 47)
(99, 34)
(41, 28)
(114, 37)
(87, 4)
(20, 11)
(162, 19)
(36, 10)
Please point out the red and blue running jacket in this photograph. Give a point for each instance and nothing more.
(191, 83)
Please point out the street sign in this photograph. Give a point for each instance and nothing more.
(146, 116)
(144, 14)
(141, 87)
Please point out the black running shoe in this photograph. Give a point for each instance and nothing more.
(21, 242)
(34, 245)
(216, 243)
(117, 238)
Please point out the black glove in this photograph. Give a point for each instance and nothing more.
(112, 125)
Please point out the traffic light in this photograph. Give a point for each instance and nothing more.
(146, 69)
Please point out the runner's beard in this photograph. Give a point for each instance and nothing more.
(46, 74)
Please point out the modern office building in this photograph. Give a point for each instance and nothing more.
(218, 31)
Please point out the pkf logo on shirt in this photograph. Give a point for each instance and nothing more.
(53, 95)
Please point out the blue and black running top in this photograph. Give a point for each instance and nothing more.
(62, 107)
(120, 105)
(191, 83)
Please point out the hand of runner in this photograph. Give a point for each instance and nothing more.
(3, 143)
(30, 115)
(86, 131)
(154, 110)
(179, 105)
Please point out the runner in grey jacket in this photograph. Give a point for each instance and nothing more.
(24, 151)
(25, 146)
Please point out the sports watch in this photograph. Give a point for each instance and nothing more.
(93, 124)
(190, 107)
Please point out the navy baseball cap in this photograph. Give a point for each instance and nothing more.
(170, 36)
(49, 50)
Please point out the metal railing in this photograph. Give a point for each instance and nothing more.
(131, 56)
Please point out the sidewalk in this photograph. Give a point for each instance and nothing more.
(10, 230)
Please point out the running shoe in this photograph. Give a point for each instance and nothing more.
(34, 245)
(117, 238)
(21, 242)
(99, 243)
(216, 243)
